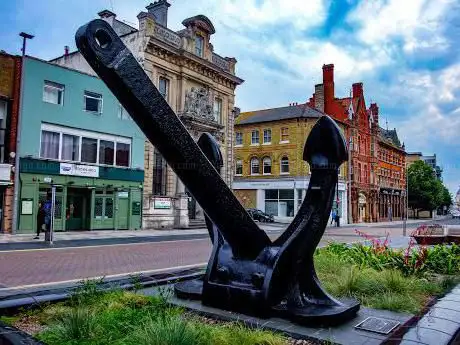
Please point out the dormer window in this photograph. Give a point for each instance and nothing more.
(199, 45)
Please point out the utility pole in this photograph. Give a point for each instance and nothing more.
(25, 37)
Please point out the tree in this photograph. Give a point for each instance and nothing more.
(425, 190)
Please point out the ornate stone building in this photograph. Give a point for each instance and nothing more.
(198, 84)
(367, 141)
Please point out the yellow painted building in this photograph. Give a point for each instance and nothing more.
(270, 173)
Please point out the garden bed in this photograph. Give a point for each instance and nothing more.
(379, 277)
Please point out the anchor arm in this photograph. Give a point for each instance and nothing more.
(117, 67)
(325, 150)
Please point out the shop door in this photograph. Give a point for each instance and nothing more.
(76, 209)
(123, 213)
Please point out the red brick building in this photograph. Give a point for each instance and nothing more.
(10, 76)
(375, 196)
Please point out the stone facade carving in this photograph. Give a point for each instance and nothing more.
(198, 103)
(167, 36)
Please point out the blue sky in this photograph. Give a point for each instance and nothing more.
(404, 52)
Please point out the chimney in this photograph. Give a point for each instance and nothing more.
(319, 97)
(328, 87)
(108, 16)
(159, 9)
(357, 90)
(66, 50)
(375, 112)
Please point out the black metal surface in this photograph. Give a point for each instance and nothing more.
(246, 271)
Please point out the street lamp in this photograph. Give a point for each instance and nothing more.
(25, 37)
(350, 149)
(406, 203)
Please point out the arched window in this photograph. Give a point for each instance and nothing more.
(284, 166)
(255, 166)
(267, 162)
(239, 167)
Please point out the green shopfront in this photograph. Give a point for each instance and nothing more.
(88, 197)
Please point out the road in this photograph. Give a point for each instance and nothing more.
(42, 267)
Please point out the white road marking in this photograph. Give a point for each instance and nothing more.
(103, 245)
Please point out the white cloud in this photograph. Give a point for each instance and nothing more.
(416, 22)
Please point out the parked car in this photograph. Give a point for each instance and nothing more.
(455, 214)
(260, 215)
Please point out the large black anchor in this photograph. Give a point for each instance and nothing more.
(247, 272)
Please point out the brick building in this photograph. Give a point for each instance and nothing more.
(10, 79)
(369, 176)
(270, 173)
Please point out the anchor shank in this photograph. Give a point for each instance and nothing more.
(117, 67)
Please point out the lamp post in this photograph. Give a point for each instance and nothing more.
(25, 37)
(350, 149)
(406, 203)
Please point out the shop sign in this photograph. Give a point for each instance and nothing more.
(27, 206)
(162, 203)
(136, 208)
(79, 170)
(5, 172)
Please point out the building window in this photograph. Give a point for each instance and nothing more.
(284, 134)
(284, 166)
(239, 138)
(89, 150)
(122, 113)
(159, 174)
(106, 152)
(267, 136)
(218, 110)
(239, 167)
(53, 93)
(70, 150)
(199, 44)
(93, 102)
(68, 144)
(279, 202)
(3, 119)
(255, 137)
(123, 153)
(255, 166)
(49, 146)
(163, 87)
(267, 162)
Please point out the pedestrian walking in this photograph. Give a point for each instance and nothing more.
(47, 212)
(337, 220)
(333, 216)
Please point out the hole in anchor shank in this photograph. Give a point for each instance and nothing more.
(102, 38)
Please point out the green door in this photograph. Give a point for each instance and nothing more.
(123, 213)
(75, 209)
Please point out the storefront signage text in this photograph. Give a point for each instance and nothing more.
(162, 203)
(79, 170)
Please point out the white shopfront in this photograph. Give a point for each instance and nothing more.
(283, 197)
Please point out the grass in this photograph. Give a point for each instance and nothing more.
(91, 317)
(380, 289)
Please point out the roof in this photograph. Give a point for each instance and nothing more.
(202, 21)
(391, 136)
(276, 114)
